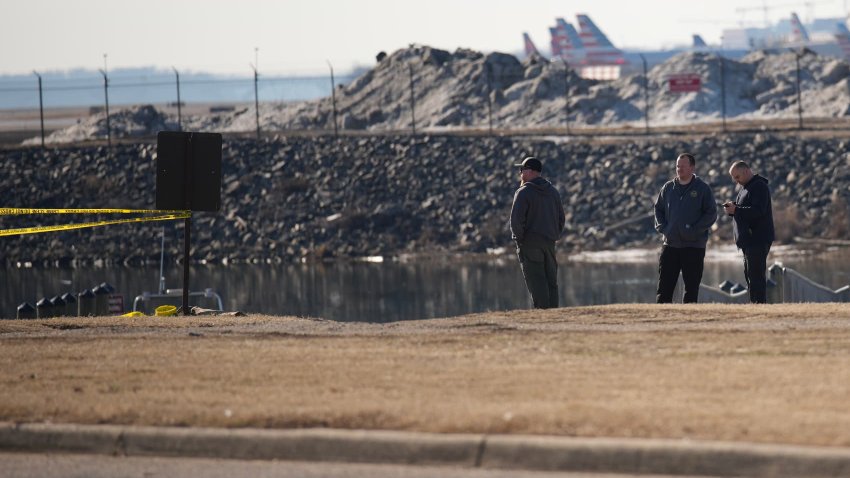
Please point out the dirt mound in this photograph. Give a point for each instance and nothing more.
(134, 122)
(451, 90)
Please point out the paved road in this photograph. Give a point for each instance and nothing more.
(50, 465)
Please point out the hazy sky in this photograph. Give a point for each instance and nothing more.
(298, 36)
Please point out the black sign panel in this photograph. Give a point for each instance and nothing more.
(188, 171)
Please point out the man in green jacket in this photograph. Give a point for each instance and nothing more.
(537, 220)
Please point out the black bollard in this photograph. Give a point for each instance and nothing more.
(26, 311)
(109, 291)
(85, 303)
(58, 306)
(43, 308)
(737, 288)
(70, 304)
(101, 300)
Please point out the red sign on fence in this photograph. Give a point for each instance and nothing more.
(684, 83)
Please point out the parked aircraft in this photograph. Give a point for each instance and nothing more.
(798, 31)
(599, 50)
(530, 48)
(842, 36)
(593, 55)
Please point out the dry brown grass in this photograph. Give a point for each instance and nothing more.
(776, 373)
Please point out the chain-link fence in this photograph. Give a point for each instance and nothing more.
(427, 90)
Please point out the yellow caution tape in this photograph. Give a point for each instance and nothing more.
(67, 227)
(17, 211)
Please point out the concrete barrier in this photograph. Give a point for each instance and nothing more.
(518, 452)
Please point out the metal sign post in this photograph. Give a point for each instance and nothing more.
(187, 223)
(188, 177)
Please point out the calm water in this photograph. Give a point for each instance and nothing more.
(389, 291)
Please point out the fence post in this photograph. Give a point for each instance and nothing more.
(40, 108)
(333, 98)
(489, 70)
(179, 115)
(412, 102)
(256, 101)
(799, 96)
(567, 95)
(723, 91)
(106, 97)
(645, 95)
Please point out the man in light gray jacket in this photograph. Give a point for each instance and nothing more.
(537, 220)
(684, 212)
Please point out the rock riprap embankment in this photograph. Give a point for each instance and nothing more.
(293, 198)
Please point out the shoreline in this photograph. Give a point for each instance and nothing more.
(630, 255)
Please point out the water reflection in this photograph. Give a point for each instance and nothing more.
(390, 291)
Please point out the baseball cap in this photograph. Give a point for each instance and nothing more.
(530, 163)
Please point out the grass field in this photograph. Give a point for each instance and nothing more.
(774, 373)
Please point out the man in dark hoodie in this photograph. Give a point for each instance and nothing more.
(684, 212)
(752, 226)
(537, 220)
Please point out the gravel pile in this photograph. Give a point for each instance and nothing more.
(452, 90)
(303, 199)
(135, 122)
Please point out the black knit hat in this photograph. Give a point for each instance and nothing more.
(530, 163)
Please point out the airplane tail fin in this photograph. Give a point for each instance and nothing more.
(599, 50)
(842, 37)
(699, 42)
(566, 42)
(590, 34)
(530, 48)
(555, 42)
(798, 31)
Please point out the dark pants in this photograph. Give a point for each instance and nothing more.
(540, 270)
(688, 260)
(755, 271)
